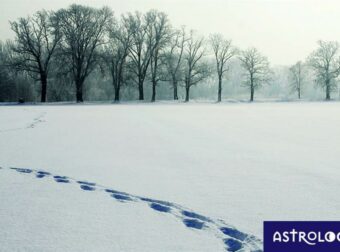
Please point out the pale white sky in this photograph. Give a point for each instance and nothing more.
(284, 30)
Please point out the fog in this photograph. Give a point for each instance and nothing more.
(284, 30)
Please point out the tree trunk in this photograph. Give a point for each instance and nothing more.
(187, 94)
(328, 90)
(141, 91)
(219, 97)
(117, 93)
(153, 98)
(299, 93)
(43, 87)
(175, 90)
(79, 87)
(252, 91)
(252, 88)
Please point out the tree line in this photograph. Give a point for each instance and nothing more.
(71, 44)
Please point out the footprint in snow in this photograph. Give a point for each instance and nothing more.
(42, 174)
(160, 208)
(87, 188)
(195, 216)
(234, 233)
(121, 197)
(22, 170)
(192, 223)
(61, 179)
(232, 244)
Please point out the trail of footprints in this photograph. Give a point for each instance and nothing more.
(31, 125)
(36, 121)
(233, 239)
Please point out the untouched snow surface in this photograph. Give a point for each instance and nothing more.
(236, 164)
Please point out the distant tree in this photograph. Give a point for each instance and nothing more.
(6, 83)
(159, 34)
(14, 85)
(195, 70)
(36, 39)
(116, 53)
(257, 70)
(139, 52)
(223, 52)
(297, 77)
(84, 30)
(148, 36)
(325, 62)
(173, 59)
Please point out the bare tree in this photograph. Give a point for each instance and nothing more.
(83, 31)
(158, 36)
(297, 78)
(6, 82)
(325, 62)
(173, 60)
(195, 70)
(257, 70)
(36, 39)
(223, 51)
(116, 54)
(139, 51)
(148, 33)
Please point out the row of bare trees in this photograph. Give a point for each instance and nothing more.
(137, 48)
(325, 64)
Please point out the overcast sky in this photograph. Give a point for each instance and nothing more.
(284, 30)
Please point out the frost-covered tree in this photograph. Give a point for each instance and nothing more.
(148, 32)
(116, 53)
(257, 70)
(195, 68)
(325, 62)
(223, 52)
(173, 60)
(84, 29)
(6, 83)
(159, 34)
(36, 40)
(139, 52)
(297, 78)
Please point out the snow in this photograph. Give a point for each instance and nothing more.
(237, 162)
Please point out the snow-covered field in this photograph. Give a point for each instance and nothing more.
(235, 165)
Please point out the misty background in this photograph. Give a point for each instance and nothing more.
(285, 31)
